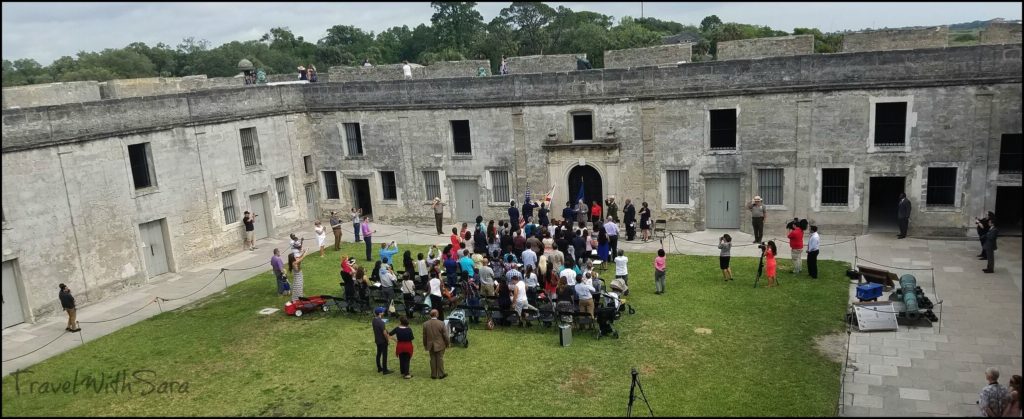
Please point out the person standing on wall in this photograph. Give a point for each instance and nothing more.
(336, 227)
(435, 341)
(503, 70)
(367, 233)
(757, 215)
(812, 252)
(796, 243)
(438, 208)
(381, 338)
(903, 215)
(356, 213)
(990, 246)
(250, 230)
(407, 70)
(67, 302)
(629, 218)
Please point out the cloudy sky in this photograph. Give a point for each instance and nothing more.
(47, 31)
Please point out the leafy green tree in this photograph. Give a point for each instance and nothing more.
(497, 40)
(664, 27)
(823, 43)
(629, 34)
(710, 24)
(528, 19)
(455, 25)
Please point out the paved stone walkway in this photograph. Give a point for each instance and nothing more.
(910, 372)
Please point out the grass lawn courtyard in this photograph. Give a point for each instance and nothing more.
(760, 358)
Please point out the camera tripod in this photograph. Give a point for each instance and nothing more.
(632, 394)
(760, 266)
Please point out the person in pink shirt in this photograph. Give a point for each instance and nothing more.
(659, 272)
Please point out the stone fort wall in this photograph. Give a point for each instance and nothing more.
(641, 57)
(1001, 33)
(890, 39)
(766, 47)
(50, 94)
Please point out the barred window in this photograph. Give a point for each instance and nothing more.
(769, 186)
(1010, 153)
(331, 184)
(433, 184)
(678, 186)
(941, 186)
(835, 186)
(890, 123)
(282, 192)
(499, 185)
(387, 181)
(461, 138)
(354, 138)
(250, 147)
(723, 129)
(228, 201)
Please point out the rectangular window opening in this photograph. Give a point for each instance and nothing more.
(835, 187)
(499, 185)
(769, 186)
(678, 186)
(941, 186)
(250, 147)
(432, 182)
(142, 169)
(282, 191)
(387, 182)
(890, 123)
(331, 184)
(228, 200)
(582, 126)
(307, 164)
(354, 139)
(723, 129)
(461, 137)
(1010, 154)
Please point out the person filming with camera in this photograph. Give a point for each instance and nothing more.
(796, 243)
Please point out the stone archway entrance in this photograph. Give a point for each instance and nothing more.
(591, 181)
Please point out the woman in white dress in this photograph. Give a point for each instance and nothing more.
(321, 236)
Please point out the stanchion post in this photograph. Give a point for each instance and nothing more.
(81, 337)
(158, 305)
(224, 272)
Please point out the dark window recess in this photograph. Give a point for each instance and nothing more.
(941, 186)
(890, 123)
(141, 173)
(582, 126)
(354, 137)
(835, 186)
(331, 184)
(770, 185)
(250, 147)
(1010, 153)
(433, 184)
(460, 136)
(307, 163)
(723, 129)
(387, 181)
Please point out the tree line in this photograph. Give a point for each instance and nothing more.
(457, 31)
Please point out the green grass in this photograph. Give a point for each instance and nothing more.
(759, 360)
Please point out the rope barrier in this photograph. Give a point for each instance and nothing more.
(41, 347)
(126, 315)
(262, 265)
(196, 291)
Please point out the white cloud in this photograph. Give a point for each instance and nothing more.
(46, 31)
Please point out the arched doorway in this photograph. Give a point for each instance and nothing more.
(591, 181)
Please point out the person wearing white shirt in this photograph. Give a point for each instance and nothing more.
(612, 229)
(407, 70)
(435, 292)
(584, 292)
(622, 266)
(570, 276)
(812, 252)
(519, 297)
(530, 258)
(387, 282)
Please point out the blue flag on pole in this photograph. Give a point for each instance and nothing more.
(579, 196)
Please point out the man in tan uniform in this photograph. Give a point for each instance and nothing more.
(435, 341)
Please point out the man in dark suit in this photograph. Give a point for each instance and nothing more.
(629, 218)
(982, 225)
(990, 245)
(903, 215)
(435, 341)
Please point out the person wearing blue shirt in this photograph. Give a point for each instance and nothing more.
(569, 213)
(387, 251)
(466, 263)
(812, 252)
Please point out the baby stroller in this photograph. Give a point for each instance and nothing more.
(457, 328)
(619, 285)
(607, 314)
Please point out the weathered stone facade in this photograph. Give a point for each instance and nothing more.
(50, 94)
(894, 39)
(542, 63)
(1001, 33)
(766, 47)
(72, 215)
(656, 55)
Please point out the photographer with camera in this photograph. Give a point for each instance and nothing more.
(250, 230)
(796, 243)
(983, 225)
(725, 245)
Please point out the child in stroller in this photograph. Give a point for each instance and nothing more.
(607, 314)
(457, 328)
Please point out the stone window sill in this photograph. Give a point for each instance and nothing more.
(462, 156)
(147, 191)
(252, 169)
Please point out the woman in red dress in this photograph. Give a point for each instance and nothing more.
(769, 262)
